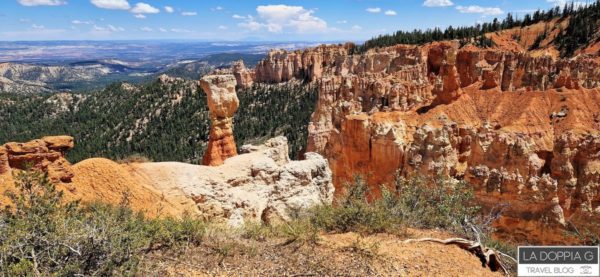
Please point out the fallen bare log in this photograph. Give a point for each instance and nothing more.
(489, 257)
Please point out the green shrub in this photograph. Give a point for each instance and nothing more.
(435, 203)
(40, 234)
(352, 212)
(428, 203)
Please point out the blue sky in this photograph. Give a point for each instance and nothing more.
(307, 20)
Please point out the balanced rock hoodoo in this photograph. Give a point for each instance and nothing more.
(222, 103)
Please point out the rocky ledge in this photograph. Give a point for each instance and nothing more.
(260, 185)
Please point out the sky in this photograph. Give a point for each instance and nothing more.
(237, 20)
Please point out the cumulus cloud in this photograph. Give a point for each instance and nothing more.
(142, 7)
(237, 16)
(390, 12)
(374, 10)
(217, 8)
(35, 26)
(146, 29)
(31, 3)
(189, 13)
(222, 27)
(437, 3)
(356, 28)
(342, 22)
(139, 16)
(479, 9)
(111, 4)
(169, 9)
(277, 18)
(162, 30)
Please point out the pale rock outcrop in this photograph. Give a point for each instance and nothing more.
(259, 185)
(222, 103)
(46, 154)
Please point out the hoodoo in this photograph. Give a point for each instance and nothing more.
(222, 103)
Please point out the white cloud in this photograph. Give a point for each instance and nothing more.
(356, 28)
(189, 13)
(78, 22)
(146, 29)
(162, 30)
(217, 8)
(111, 4)
(561, 3)
(342, 22)
(390, 12)
(31, 3)
(24, 20)
(276, 18)
(144, 8)
(169, 9)
(479, 9)
(109, 28)
(251, 25)
(237, 16)
(175, 30)
(139, 16)
(437, 3)
(35, 26)
(374, 10)
(222, 27)
(115, 29)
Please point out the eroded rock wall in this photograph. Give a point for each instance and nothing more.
(243, 76)
(521, 129)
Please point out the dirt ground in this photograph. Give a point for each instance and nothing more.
(348, 254)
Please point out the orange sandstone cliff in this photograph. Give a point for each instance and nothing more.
(521, 129)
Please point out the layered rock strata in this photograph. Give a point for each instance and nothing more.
(222, 103)
(46, 154)
(520, 129)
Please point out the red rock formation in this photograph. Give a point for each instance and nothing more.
(488, 116)
(243, 76)
(222, 103)
(46, 154)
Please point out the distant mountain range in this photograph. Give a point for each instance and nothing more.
(84, 66)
